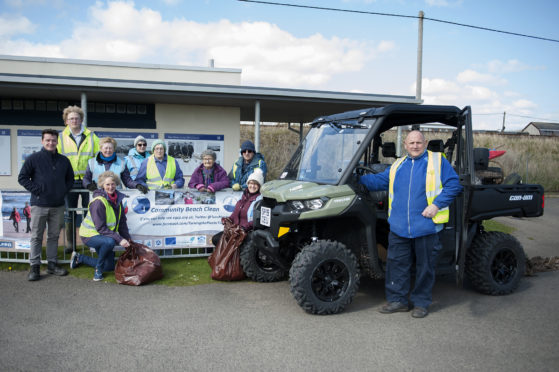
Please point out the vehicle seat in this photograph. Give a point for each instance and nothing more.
(436, 145)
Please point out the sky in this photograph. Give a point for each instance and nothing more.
(301, 48)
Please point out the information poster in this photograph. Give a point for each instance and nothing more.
(188, 148)
(14, 235)
(5, 153)
(125, 140)
(28, 142)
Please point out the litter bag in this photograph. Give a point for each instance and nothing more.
(138, 265)
(225, 260)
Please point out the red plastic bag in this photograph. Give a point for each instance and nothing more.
(225, 260)
(138, 265)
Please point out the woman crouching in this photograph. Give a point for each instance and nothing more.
(244, 209)
(104, 227)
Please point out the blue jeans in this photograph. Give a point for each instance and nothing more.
(398, 268)
(105, 260)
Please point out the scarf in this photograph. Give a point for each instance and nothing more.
(109, 159)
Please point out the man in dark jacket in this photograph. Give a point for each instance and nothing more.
(245, 165)
(48, 176)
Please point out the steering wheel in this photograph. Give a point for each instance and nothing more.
(361, 170)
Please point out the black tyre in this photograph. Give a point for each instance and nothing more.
(495, 263)
(324, 277)
(257, 266)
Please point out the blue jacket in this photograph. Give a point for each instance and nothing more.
(409, 195)
(134, 160)
(237, 175)
(99, 166)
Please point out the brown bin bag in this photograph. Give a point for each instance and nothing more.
(225, 260)
(138, 265)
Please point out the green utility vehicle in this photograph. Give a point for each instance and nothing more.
(317, 223)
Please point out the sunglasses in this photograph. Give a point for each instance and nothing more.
(142, 144)
(245, 151)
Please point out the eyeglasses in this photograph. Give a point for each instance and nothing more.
(208, 159)
(142, 144)
(245, 151)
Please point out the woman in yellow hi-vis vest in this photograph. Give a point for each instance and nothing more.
(421, 186)
(160, 171)
(103, 227)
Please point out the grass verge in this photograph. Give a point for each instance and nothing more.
(491, 225)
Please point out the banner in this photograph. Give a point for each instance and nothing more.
(162, 219)
(177, 218)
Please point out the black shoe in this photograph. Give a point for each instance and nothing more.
(56, 270)
(34, 273)
(394, 307)
(419, 312)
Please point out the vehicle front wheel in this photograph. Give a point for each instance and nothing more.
(257, 265)
(495, 263)
(324, 277)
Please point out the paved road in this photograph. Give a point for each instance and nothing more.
(71, 324)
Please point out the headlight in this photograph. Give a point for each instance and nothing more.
(314, 204)
(308, 205)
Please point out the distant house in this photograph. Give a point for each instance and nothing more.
(542, 129)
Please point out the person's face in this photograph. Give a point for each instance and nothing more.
(107, 149)
(74, 121)
(208, 161)
(253, 186)
(248, 155)
(109, 186)
(159, 152)
(415, 144)
(141, 147)
(49, 142)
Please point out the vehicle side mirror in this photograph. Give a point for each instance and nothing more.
(389, 150)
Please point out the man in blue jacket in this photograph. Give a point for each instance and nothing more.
(420, 187)
(48, 175)
(245, 165)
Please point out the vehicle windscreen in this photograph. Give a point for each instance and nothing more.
(326, 151)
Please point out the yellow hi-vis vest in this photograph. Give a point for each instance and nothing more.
(153, 178)
(433, 185)
(87, 228)
(78, 156)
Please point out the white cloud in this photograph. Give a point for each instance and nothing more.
(472, 76)
(268, 55)
(10, 25)
(510, 66)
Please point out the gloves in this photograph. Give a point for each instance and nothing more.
(167, 187)
(236, 187)
(92, 186)
(142, 188)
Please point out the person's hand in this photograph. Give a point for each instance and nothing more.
(124, 243)
(430, 211)
(142, 188)
(174, 186)
(236, 187)
(92, 186)
(167, 187)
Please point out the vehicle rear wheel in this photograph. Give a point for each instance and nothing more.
(257, 265)
(324, 277)
(495, 263)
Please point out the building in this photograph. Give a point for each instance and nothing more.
(541, 129)
(190, 107)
